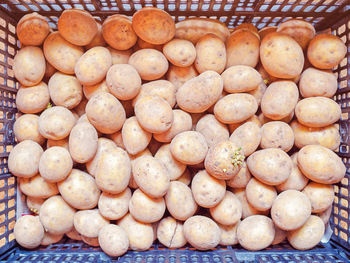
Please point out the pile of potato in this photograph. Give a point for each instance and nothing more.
(143, 129)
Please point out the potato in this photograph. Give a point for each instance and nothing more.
(61, 143)
(89, 222)
(56, 215)
(247, 208)
(266, 30)
(117, 138)
(202, 232)
(198, 94)
(189, 147)
(182, 122)
(180, 52)
(23, 160)
(179, 75)
(98, 39)
(154, 114)
(149, 63)
(79, 190)
(91, 241)
(228, 211)
(73, 234)
(264, 163)
(229, 234)
(26, 127)
(120, 56)
(277, 134)
(242, 48)
(170, 233)
(185, 178)
(247, 136)
(255, 232)
(259, 92)
(77, 26)
(50, 239)
(307, 236)
(280, 236)
(260, 195)
(142, 44)
(325, 51)
(34, 204)
(33, 99)
(113, 240)
(263, 119)
(80, 109)
(32, 29)
(146, 209)
(179, 201)
(56, 123)
(290, 210)
(241, 179)
(123, 81)
(281, 56)
(140, 234)
(61, 54)
(114, 206)
(241, 78)
(153, 25)
(328, 136)
(242, 104)
(213, 130)
(315, 82)
(132, 183)
(320, 164)
(105, 112)
(255, 119)
(321, 196)
(28, 231)
(280, 99)
(317, 112)
(211, 54)
(325, 215)
(151, 175)
(207, 190)
(118, 32)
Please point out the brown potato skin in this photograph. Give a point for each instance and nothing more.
(32, 29)
(28, 231)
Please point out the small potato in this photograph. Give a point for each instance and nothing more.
(260, 195)
(32, 29)
(228, 211)
(142, 44)
(61, 54)
(117, 138)
(320, 164)
(140, 234)
(277, 134)
(315, 82)
(98, 39)
(180, 52)
(247, 136)
(242, 104)
(207, 190)
(114, 206)
(89, 222)
(50, 239)
(123, 81)
(135, 139)
(105, 113)
(280, 99)
(91, 241)
(151, 176)
(321, 196)
(228, 234)
(307, 236)
(73, 234)
(266, 30)
(113, 240)
(280, 236)
(179, 75)
(56, 123)
(120, 56)
(185, 178)
(61, 143)
(28, 231)
(241, 179)
(179, 201)
(24, 159)
(213, 130)
(317, 112)
(149, 63)
(49, 71)
(255, 119)
(326, 214)
(328, 136)
(247, 208)
(189, 147)
(256, 232)
(26, 127)
(325, 51)
(182, 122)
(33, 99)
(80, 109)
(29, 65)
(241, 78)
(55, 164)
(259, 92)
(202, 232)
(34, 204)
(79, 190)
(211, 54)
(290, 210)
(263, 119)
(154, 114)
(198, 94)
(91, 68)
(132, 183)
(271, 166)
(146, 209)
(56, 215)
(170, 233)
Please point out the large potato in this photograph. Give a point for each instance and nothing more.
(247, 136)
(228, 211)
(114, 206)
(170, 233)
(28, 231)
(321, 196)
(32, 29)
(260, 195)
(37, 186)
(26, 127)
(113, 240)
(89, 222)
(213, 130)
(277, 134)
(241, 179)
(179, 75)
(180, 52)
(33, 99)
(241, 78)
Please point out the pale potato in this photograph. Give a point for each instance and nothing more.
(114, 206)
(326, 214)
(280, 236)
(266, 30)
(260, 195)
(228, 211)
(113, 240)
(180, 52)
(89, 222)
(229, 234)
(26, 127)
(132, 183)
(247, 208)
(61, 143)
(247, 136)
(259, 92)
(277, 134)
(213, 130)
(241, 179)
(34, 204)
(142, 44)
(33, 99)
(179, 75)
(241, 78)
(50, 239)
(32, 29)
(321, 196)
(255, 119)
(263, 119)
(170, 233)
(117, 138)
(28, 231)
(185, 178)
(120, 56)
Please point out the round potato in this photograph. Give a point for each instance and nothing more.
(317, 112)
(37, 186)
(91, 241)
(180, 52)
(185, 178)
(241, 78)
(321, 196)
(241, 179)
(247, 208)
(228, 211)
(260, 195)
(247, 136)
(132, 183)
(179, 75)
(33, 99)
(89, 222)
(255, 119)
(213, 130)
(28, 231)
(255, 232)
(113, 240)
(32, 29)
(120, 56)
(50, 239)
(73, 234)
(114, 206)
(170, 233)
(26, 127)
(34, 204)
(228, 234)
(202, 232)
(277, 134)
(61, 143)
